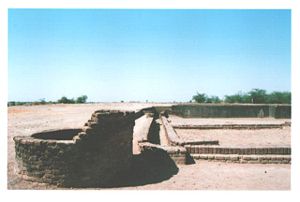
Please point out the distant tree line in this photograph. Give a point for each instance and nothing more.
(256, 96)
(79, 100)
(62, 100)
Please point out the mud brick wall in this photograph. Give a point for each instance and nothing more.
(96, 156)
(264, 159)
(106, 147)
(283, 111)
(197, 149)
(44, 160)
(232, 110)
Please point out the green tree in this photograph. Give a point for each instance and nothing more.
(213, 99)
(238, 98)
(42, 101)
(82, 99)
(258, 95)
(279, 98)
(200, 98)
(65, 100)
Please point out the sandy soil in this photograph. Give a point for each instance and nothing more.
(176, 120)
(206, 175)
(25, 120)
(240, 138)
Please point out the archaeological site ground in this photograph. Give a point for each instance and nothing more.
(150, 146)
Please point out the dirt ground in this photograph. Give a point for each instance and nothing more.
(25, 120)
(176, 120)
(240, 138)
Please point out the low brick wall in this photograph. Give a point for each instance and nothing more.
(96, 155)
(196, 149)
(264, 159)
(231, 126)
(283, 111)
(232, 110)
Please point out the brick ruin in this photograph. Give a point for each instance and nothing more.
(92, 156)
(232, 110)
(100, 153)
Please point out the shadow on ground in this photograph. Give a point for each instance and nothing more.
(151, 166)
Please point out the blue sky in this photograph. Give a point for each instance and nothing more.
(138, 55)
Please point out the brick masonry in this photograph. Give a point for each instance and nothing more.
(232, 110)
(196, 149)
(96, 156)
(210, 150)
(231, 126)
(263, 159)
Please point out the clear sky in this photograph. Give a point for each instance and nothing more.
(138, 55)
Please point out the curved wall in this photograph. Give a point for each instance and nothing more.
(92, 156)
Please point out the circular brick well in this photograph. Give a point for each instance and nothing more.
(93, 156)
(46, 156)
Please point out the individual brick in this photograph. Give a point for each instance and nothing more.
(247, 158)
(205, 150)
(188, 148)
(232, 151)
(196, 150)
(201, 150)
(243, 161)
(280, 150)
(218, 150)
(285, 161)
(193, 149)
(220, 157)
(264, 161)
(258, 151)
(264, 150)
(227, 157)
(234, 158)
(226, 151)
(210, 157)
(87, 129)
(254, 162)
(204, 157)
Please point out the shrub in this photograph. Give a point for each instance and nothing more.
(203, 98)
(200, 98)
(82, 99)
(65, 100)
